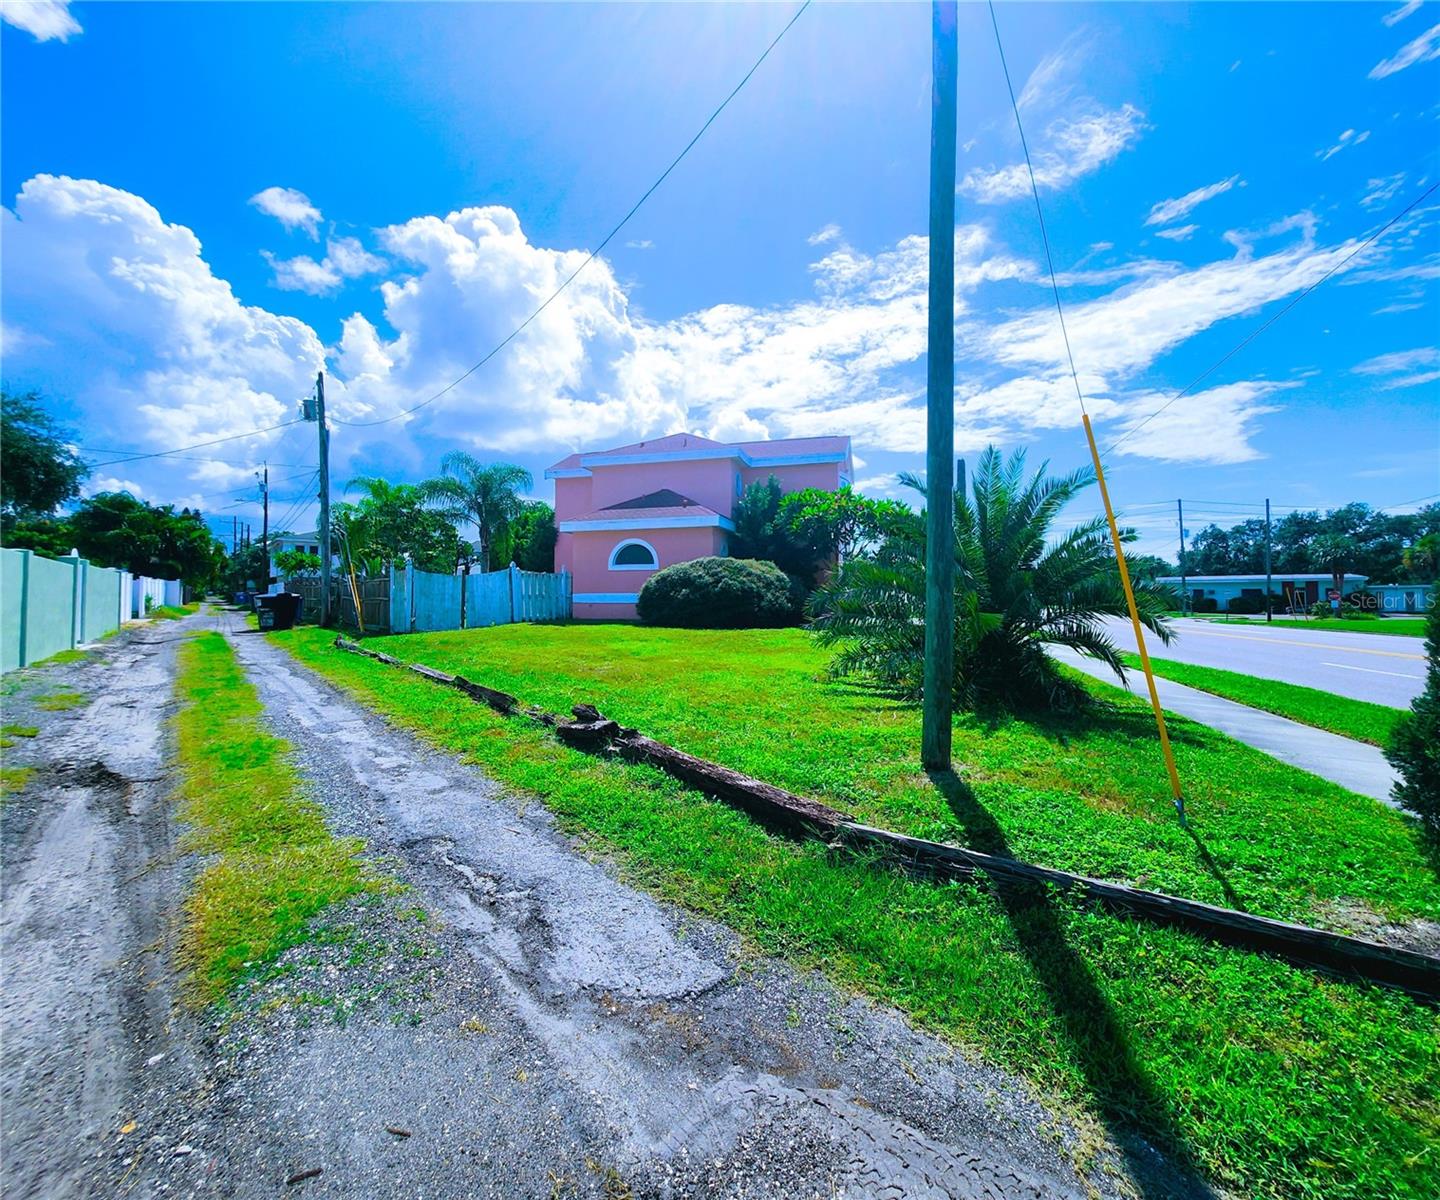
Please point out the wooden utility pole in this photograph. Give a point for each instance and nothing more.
(1268, 615)
(940, 400)
(324, 528)
(265, 521)
(1184, 591)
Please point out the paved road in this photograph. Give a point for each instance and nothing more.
(1381, 668)
(1355, 765)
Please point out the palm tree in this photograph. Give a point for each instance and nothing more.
(1016, 590)
(489, 494)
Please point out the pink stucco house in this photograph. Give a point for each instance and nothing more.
(623, 514)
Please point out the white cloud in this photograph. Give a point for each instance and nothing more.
(1379, 192)
(150, 347)
(1070, 149)
(43, 19)
(291, 208)
(1407, 368)
(1348, 138)
(828, 234)
(641, 244)
(1179, 233)
(1172, 210)
(1395, 16)
(1425, 48)
(1213, 426)
(345, 258)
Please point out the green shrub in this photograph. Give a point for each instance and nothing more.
(717, 593)
(1204, 604)
(1414, 748)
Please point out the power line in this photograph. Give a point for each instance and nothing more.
(197, 446)
(589, 258)
(1255, 333)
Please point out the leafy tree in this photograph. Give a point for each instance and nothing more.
(759, 532)
(487, 494)
(390, 521)
(247, 566)
(51, 536)
(837, 525)
(38, 470)
(1016, 590)
(1333, 552)
(291, 563)
(114, 529)
(1146, 568)
(1414, 748)
(529, 542)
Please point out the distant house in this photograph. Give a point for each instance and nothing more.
(1402, 597)
(623, 514)
(1299, 591)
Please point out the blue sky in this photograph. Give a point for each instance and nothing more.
(204, 203)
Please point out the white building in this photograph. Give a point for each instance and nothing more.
(1300, 591)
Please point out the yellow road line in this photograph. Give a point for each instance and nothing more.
(1284, 641)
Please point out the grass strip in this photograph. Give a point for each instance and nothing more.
(1271, 1080)
(271, 863)
(173, 612)
(1401, 626)
(1358, 719)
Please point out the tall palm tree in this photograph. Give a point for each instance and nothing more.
(1017, 589)
(487, 494)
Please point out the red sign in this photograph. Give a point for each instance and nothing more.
(1332, 594)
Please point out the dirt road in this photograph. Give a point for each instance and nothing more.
(518, 1022)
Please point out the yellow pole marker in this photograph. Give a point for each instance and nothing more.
(1135, 621)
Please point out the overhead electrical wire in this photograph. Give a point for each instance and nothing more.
(595, 253)
(197, 446)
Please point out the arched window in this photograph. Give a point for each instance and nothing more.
(634, 555)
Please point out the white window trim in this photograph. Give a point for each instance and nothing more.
(650, 566)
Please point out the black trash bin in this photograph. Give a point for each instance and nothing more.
(280, 610)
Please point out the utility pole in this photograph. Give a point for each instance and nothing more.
(1268, 615)
(324, 530)
(1184, 591)
(935, 737)
(234, 536)
(265, 523)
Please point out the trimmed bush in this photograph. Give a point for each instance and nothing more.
(717, 593)
(1414, 748)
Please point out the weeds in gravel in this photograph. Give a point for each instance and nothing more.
(9, 733)
(272, 863)
(14, 779)
(1274, 1081)
(59, 701)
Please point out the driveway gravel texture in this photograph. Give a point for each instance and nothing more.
(513, 1021)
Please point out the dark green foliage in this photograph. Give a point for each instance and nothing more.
(50, 536)
(487, 494)
(761, 532)
(38, 470)
(1414, 748)
(291, 563)
(390, 522)
(718, 593)
(114, 529)
(1386, 547)
(531, 538)
(1016, 591)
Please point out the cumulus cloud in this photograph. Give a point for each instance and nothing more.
(157, 352)
(1346, 139)
(291, 208)
(1425, 48)
(1069, 150)
(42, 19)
(1172, 210)
(345, 258)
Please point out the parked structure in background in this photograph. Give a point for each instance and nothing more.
(623, 514)
(1246, 593)
(1402, 598)
(52, 604)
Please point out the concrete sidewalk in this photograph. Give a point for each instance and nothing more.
(1355, 765)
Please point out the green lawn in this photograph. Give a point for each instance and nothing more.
(271, 864)
(1404, 626)
(1358, 719)
(1271, 1080)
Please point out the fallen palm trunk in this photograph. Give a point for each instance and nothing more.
(800, 817)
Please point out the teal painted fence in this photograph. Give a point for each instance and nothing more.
(421, 602)
(48, 605)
